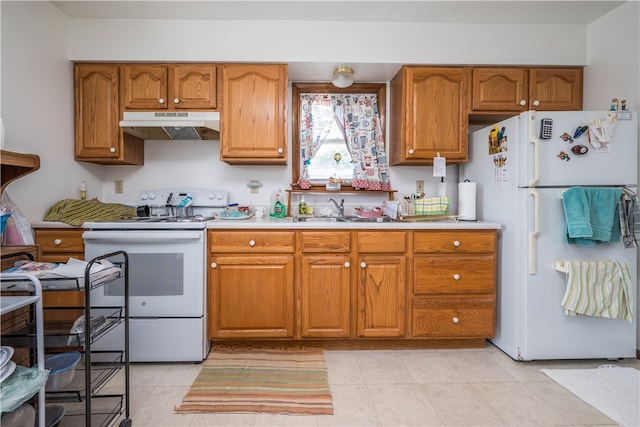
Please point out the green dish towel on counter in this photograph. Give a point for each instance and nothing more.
(77, 212)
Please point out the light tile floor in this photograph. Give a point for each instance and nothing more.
(466, 387)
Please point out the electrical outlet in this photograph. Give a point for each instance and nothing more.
(420, 186)
(119, 186)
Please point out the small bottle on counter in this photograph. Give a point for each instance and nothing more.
(83, 190)
(279, 209)
(302, 207)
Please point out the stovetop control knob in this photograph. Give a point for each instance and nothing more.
(144, 196)
(152, 196)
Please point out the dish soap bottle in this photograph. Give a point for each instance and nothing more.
(279, 209)
(302, 207)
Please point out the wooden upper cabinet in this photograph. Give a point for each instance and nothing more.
(253, 114)
(98, 137)
(429, 107)
(169, 87)
(499, 89)
(556, 89)
(513, 90)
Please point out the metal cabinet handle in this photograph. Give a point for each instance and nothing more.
(57, 242)
(161, 100)
(455, 320)
(456, 276)
(347, 264)
(214, 265)
(176, 101)
(113, 150)
(523, 102)
(363, 264)
(411, 151)
(536, 103)
(456, 243)
(252, 243)
(280, 150)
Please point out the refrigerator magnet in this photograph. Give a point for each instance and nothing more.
(564, 156)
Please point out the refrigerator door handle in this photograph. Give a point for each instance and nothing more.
(533, 139)
(533, 235)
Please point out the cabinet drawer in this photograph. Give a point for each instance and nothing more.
(453, 274)
(60, 241)
(251, 241)
(382, 241)
(322, 241)
(454, 318)
(455, 241)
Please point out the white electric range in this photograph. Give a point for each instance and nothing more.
(166, 245)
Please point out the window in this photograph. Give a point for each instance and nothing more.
(333, 157)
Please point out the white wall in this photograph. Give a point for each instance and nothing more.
(37, 106)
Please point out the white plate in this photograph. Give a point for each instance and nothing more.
(225, 216)
(5, 355)
(7, 370)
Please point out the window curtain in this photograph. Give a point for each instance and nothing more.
(358, 118)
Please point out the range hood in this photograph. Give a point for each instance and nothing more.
(183, 125)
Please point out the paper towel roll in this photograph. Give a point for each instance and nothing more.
(467, 201)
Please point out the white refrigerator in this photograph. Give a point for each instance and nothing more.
(520, 175)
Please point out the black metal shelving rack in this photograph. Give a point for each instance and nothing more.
(84, 401)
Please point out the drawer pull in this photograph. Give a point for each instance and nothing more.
(523, 102)
(536, 103)
(456, 243)
(347, 264)
(363, 264)
(57, 242)
(161, 100)
(214, 265)
(252, 243)
(176, 101)
(456, 320)
(456, 276)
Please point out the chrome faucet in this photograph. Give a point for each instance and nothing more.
(339, 207)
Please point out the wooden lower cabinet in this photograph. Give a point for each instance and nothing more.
(352, 284)
(454, 277)
(251, 284)
(382, 283)
(325, 284)
(58, 245)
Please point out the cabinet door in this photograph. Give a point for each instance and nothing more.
(97, 111)
(251, 297)
(253, 128)
(193, 86)
(434, 115)
(325, 296)
(381, 296)
(145, 86)
(499, 89)
(555, 89)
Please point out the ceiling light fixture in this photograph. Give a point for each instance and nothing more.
(342, 77)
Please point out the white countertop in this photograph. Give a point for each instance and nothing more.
(289, 223)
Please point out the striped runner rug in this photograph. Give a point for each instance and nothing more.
(277, 381)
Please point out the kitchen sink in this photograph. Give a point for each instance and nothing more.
(341, 219)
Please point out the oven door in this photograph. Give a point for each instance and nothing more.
(166, 271)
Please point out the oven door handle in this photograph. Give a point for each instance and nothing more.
(131, 236)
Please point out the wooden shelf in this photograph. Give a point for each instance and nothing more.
(17, 165)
